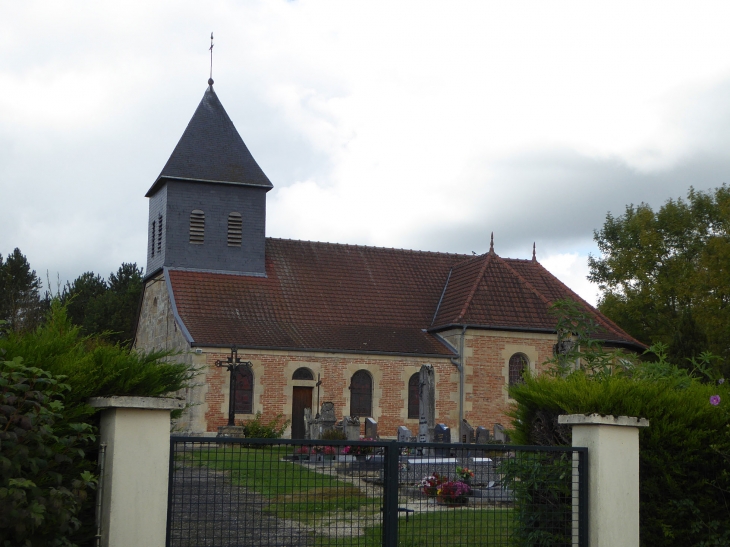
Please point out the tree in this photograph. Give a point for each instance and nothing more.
(108, 308)
(665, 275)
(20, 301)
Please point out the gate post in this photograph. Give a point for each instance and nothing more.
(390, 495)
(134, 485)
(613, 476)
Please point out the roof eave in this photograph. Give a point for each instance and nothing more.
(326, 350)
(164, 178)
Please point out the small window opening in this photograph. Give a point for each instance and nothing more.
(413, 395)
(235, 230)
(302, 373)
(197, 227)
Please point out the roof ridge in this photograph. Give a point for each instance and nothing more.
(376, 247)
(473, 290)
(602, 319)
(526, 282)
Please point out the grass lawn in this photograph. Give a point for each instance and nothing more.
(295, 492)
(336, 509)
(451, 528)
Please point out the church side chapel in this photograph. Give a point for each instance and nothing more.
(324, 322)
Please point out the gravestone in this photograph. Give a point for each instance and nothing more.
(499, 435)
(404, 434)
(482, 435)
(327, 414)
(426, 404)
(351, 426)
(311, 426)
(466, 432)
(442, 434)
(371, 429)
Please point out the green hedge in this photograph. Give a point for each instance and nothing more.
(684, 454)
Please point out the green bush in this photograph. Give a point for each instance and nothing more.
(685, 485)
(258, 429)
(541, 482)
(44, 479)
(90, 367)
(334, 435)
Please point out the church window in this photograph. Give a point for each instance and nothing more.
(244, 391)
(153, 234)
(159, 234)
(302, 373)
(235, 225)
(361, 394)
(413, 400)
(518, 363)
(197, 227)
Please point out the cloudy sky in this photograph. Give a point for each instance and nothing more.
(422, 125)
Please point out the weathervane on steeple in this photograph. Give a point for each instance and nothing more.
(210, 80)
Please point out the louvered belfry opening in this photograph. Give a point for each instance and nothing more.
(197, 227)
(235, 229)
(153, 233)
(361, 394)
(159, 234)
(413, 395)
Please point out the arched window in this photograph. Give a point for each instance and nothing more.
(234, 229)
(244, 391)
(361, 394)
(413, 408)
(197, 227)
(302, 373)
(518, 363)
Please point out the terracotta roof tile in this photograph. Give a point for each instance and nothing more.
(323, 296)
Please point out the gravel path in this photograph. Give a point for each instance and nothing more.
(208, 511)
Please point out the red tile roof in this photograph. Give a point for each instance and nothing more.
(330, 297)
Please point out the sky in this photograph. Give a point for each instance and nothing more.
(420, 125)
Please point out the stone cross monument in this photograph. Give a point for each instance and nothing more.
(426, 404)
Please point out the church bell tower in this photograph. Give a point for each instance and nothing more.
(207, 208)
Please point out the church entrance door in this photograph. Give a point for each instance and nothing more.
(302, 398)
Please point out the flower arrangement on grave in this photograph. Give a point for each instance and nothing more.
(453, 493)
(464, 474)
(359, 450)
(430, 485)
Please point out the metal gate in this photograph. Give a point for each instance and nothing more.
(265, 492)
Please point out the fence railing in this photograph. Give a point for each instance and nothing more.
(226, 492)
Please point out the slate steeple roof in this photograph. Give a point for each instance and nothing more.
(211, 150)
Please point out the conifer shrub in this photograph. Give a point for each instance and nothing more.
(684, 454)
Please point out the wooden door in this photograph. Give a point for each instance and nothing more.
(302, 398)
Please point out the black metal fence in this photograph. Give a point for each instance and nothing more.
(265, 492)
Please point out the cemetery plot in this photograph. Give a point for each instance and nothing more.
(328, 493)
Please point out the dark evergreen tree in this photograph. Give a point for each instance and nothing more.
(21, 304)
(688, 342)
(78, 295)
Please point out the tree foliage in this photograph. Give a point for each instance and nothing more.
(21, 305)
(105, 307)
(665, 275)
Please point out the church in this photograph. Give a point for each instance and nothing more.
(347, 324)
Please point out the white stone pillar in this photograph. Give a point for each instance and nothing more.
(613, 476)
(136, 431)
